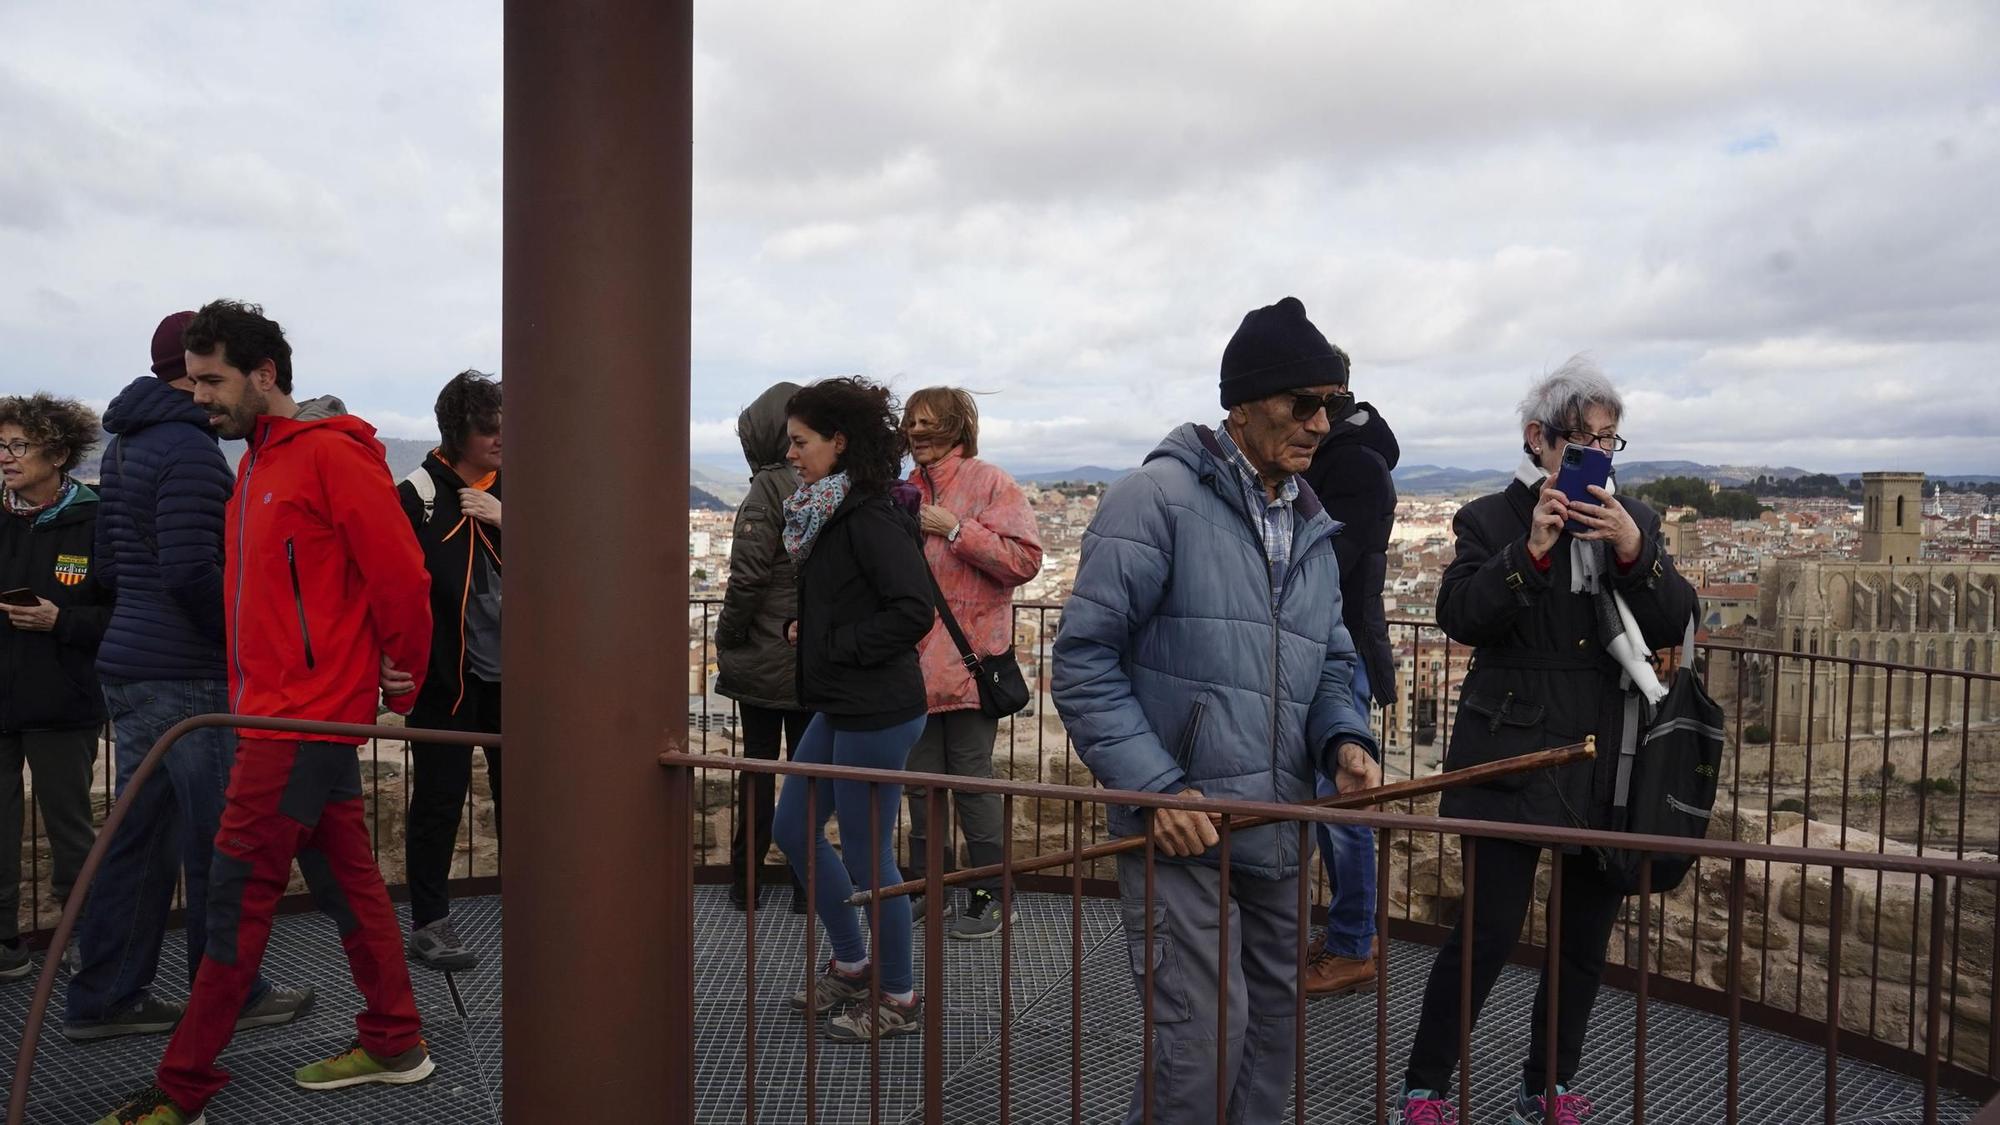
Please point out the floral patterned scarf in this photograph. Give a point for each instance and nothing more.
(42, 513)
(807, 511)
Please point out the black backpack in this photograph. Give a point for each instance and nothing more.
(1666, 776)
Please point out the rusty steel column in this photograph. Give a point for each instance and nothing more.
(596, 988)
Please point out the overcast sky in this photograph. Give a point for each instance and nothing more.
(1774, 224)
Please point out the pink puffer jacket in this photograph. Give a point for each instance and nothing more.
(997, 550)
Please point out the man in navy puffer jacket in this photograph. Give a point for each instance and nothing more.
(165, 484)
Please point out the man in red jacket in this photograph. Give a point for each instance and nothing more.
(328, 602)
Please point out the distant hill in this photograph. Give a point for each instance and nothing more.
(1085, 474)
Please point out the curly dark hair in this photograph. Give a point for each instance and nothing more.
(468, 405)
(54, 424)
(247, 338)
(866, 412)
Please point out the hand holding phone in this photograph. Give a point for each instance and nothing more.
(20, 596)
(1584, 467)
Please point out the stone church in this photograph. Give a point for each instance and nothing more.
(1892, 608)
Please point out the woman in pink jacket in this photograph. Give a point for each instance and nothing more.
(981, 542)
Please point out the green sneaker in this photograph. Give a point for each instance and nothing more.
(356, 1067)
(151, 1106)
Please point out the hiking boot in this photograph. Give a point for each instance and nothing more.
(276, 1007)
(15, 960)
(834, 989)
(438, 946)
(980, 919)
(1329, 974)
(357, 1067)
(798, 900)
(890, 1020)
(1569, 1109)
(1422, 1107)
(147, 1016)
(151, 1106)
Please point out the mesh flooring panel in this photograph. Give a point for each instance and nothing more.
(1782, 1079)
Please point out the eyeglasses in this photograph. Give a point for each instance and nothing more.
(1613, 443)
(1336, 405)
(17, 448)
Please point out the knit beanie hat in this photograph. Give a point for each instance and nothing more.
(1278, 349)
(169, 355)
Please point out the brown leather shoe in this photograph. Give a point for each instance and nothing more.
(1330, 975)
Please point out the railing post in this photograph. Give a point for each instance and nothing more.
(676, 1073)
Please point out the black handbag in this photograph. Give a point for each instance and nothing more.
(1666, 777)
(1003, 691)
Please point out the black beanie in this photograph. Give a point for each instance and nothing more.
(1278, 349)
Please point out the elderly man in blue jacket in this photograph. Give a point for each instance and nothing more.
(1203, 653)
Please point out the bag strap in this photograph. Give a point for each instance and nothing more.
(426, 488)
(1628, 749)
(968, 657)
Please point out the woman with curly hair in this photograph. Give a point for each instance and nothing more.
(864, 605)
(55, 606)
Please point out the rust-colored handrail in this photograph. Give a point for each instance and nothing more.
(1987, 872)
(24, 1063)
(1379, 795)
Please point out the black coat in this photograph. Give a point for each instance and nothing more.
(864, 604)
(1351, 476)
(48, 681)
(463, 558)
(1540, 677)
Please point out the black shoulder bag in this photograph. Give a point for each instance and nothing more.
(1003, 691)
(1666, 777)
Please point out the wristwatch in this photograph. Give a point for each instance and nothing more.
(952, 535)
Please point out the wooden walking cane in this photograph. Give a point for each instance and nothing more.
(1381, 794)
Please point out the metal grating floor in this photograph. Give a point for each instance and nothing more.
(1781, 1078)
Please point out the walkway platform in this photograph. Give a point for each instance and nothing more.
(1782, 1078)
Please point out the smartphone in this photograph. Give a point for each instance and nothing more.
(1583, 466)
(21, 596)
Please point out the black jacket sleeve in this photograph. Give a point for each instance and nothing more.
(1487, 584)
(888, 553)
(753, 555)
(1662, 600)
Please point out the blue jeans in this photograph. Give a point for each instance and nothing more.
(171, 826)
(851, 801)
(1349, 854)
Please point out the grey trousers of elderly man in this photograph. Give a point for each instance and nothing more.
(1263, 965)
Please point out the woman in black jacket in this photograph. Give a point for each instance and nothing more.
(1529, 598)
(53, 610)
(864, 604)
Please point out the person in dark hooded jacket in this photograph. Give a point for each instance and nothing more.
(1549, 615)
(164, 485)
(1351, 476)
(453, 504)
(758, 666)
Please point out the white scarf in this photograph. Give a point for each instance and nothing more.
(1623, 641)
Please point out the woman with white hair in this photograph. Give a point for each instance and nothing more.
(1548, 613)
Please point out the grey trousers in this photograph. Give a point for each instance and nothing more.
(1262, 962)
(60, 761)
(959, 743)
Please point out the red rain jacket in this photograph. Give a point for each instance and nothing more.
(323, 575)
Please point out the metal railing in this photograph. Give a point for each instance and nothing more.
(1948, 880)
(1781, 784)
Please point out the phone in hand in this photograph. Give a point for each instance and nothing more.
(21, 596)
(1583, 467)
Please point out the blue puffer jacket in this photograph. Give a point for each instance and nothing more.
(165, 484)
(1171, 669)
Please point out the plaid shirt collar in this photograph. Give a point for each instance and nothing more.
(1274, 517)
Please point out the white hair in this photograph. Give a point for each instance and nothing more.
(1558, 400)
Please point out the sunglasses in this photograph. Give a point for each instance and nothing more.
(1336, 406)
